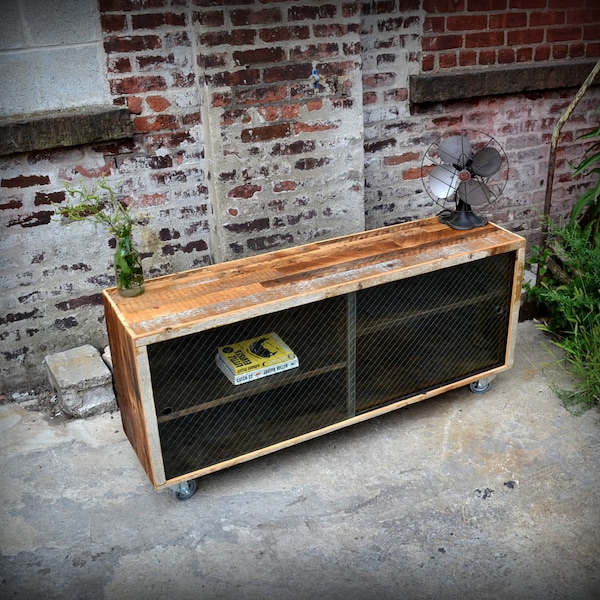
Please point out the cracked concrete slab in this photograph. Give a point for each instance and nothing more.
(462, 496)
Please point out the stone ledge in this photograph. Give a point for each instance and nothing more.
(64, 128)
(513, 79)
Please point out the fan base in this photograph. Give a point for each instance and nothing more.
(462, 218)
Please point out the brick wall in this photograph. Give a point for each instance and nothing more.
(407, 37)
(285, 150)
(237, 151)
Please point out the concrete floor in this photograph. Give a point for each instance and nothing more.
(461, 496)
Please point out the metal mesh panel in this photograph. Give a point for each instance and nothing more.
(417, 334)
(357, 352)
(204, 419)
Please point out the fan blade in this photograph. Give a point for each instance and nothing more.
(443, 181)
(474, 192)
(455, 150)
(486, 162)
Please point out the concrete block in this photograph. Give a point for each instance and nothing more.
(82, 381)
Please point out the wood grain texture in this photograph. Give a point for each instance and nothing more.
(228, 292)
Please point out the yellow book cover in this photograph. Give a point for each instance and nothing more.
(255, 354)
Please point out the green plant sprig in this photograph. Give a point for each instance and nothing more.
(99, 204)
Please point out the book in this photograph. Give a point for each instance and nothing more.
(255, 358)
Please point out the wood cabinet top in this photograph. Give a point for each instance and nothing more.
(199, 299)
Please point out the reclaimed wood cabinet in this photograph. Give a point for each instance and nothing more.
(379, 319)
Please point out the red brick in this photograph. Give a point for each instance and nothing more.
(412, 174)
(112, 23)
(506, 55)
(11, 205)
(399, 159)
(245, 16)
(434, 24)
(229, 117)
(212, 61)
(524, 54)
(244, 191)
(48, 198)
(153, 61)
(312, 13)
(289, 72)
(155, 123)
(221, 99)
(134, 104)
(284, 186)
(352, 9)
(269, 113)
(290, 111)
(259, 56)
(591, 33)
(546, 18)
(307, 164)
(136, 85)
(560, 51)
(447, 60)
(23, 181)
(577, 50)
(428, 62)
(297, 147)
(563, 34)
(156, 20)
(337, 68)
(119, 65)
(467, 58)
(312, 51)
(137, 43)
(267, 132)
(284, 34)
(486, 5)
(396, 95)
(128, 5)
(582, 16)
(262, 95)
(508, 20)
(209, 18)
(443, 6)
(234, 78)
(541, 53)
(182, 80)
(158, 103)
(335, 29)
(524, 37)
(528, 4)
(237, 37)
(487, 57)
(484, 39)
(442, 42)
(466, 23)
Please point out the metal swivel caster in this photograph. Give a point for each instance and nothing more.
(184, 490)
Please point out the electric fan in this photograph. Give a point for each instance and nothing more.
(461, 171)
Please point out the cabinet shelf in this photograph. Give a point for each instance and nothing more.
(252, 388)
(378, 320)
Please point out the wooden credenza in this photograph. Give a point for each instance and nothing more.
(378, 320)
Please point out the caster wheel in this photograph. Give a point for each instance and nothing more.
(479, 387)
(185, 490)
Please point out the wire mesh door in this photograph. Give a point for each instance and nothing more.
(417, 334)
(356, 352)
(204, 419)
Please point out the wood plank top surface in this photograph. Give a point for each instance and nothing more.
(218, 294)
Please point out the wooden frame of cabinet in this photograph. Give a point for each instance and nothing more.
(340, 302)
